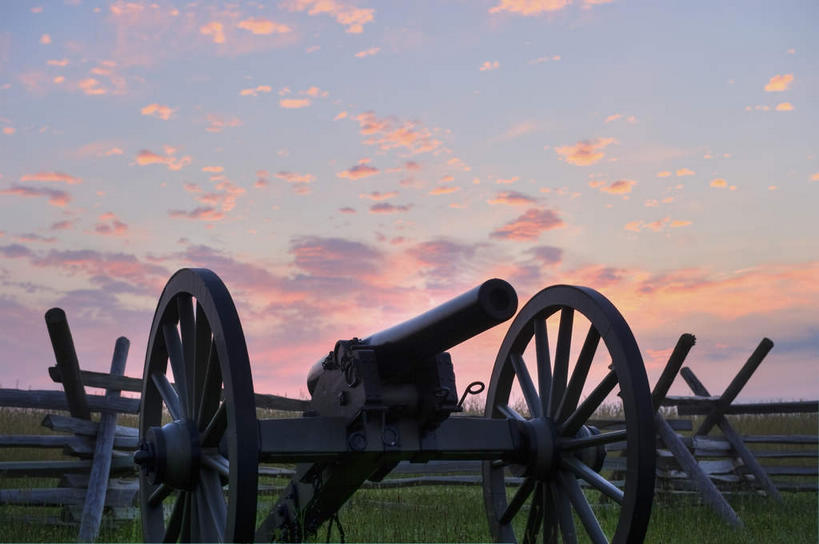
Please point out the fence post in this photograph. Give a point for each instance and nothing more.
(66, 357)
(100, 468)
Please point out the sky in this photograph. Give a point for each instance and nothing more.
(344, 165)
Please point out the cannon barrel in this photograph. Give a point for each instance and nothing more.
(433, 332)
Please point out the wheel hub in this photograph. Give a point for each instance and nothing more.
(541, 455)
(171, 454)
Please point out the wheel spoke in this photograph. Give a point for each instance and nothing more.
(169, 396)
(215, 429)
(219, 463)
(520, 497)
(594, 479)
(187, 328)
(581, 506)
(174, 346)
(579, 374)
(510, 412)
(526, 385)
(535, 517)
(185, 533)
(564, 514)
(549, 516)
(211, 506)
(589, 405)
(589, 441)
(204, 343)
(211, 389)
(175, 521)
(159, 494)
(544, 363)
(561, 370)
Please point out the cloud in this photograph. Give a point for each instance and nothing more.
(584, 152)
(529, 226)
(546, 255)
(9, 130)
(261, 26)
(386, 207)
(218, 123)
(511, 198)
(378, 196)
(784, 106)
(815, 177)
(55, 197)
(719, 183)
(61, 63)
(443, 261)
(489, 66)
(255, 91)
(685, 172)
(91, 86)
(529, 7)
(507, 181)
(779, 83)
(158, 111)
(293, 177)
(341, 115)
(390, 133)
(334, 257)
(359, 171)
(146, 157)
(655, 226)
(663, 174)
(204, 213)
(541, 60)
(294, 103)
(212, 169)
(45, 39)
(351, 17)
(444, 190)
(619, 187)
(215, 30)
(613, 117)
(51, 176)
(110, 225)
(368, 52)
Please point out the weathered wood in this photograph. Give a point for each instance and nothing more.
(706, 487)
(782, 438)
(66, 357)
(126, 383)
(98, 481)
(672, 367)
(616, 424)
(732, 436)
(56, 422)
(55, 400)
(47, 469)
(436, 467)
(692, 406)
(40, 441)
(63, 495)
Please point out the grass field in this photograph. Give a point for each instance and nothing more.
(455, 513)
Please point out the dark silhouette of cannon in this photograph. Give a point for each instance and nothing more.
(392, 397)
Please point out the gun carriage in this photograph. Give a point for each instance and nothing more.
(392, 397)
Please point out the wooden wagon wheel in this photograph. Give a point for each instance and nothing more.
(213, 436)
(562, 448)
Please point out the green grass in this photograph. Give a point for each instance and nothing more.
(455, 513)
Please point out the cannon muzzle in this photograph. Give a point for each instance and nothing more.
(433, 332)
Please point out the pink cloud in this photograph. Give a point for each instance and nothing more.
(529, 226)
(146, 157)
(488, 66)
(585, 152)
(259, 25)
(386, 207)
(204, 213)
(506, 181)
(378, 196)
(218, 123)
(212, 169)
(51, 176)
(511, 198)
(619, 187)
(55, 197)
(294, 103)
(529, 7)
(158, 111)
(779, 83)
(390, 133)
(293, 177)
(359, 171)
(215, 30)
(368, 52)
(685, 172)
(444, 190)
(351, 17)
(110, 225)
(255, 91)
(784, 106)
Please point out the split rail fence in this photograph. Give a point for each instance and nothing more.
(100, 477)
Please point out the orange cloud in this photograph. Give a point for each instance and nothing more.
(529, 226)
(61, 63)
(368, 52)
(511, 198)
(219, 123)
(258, 25)
(201, 214)
(779, 83)
(110, 225)
(45, 39)
(91, 86)
(444, 190)
(656, 226)
(55, 197)
(663, 174)
(541, 60)
(158, 111)
(214, 169)
(359, 171)
(254, 91)
(215, 30)
(341, 115)
(146, 157)
(292, 177)
(9, 130)
(529, 7)
(619, 187)
(784, 106)
(390, 133)
(294, 103)
(685, 172)
(815, 177)
(351, 17)
(506, 181)
(378, 196)
(585, 152)
(719, 183)
(489, 65)
(51, 176)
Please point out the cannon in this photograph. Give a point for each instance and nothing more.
(389, 397)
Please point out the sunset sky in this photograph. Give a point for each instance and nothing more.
(344, 165)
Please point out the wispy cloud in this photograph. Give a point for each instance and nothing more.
(656, 226)
(359, 171)
(529, 226)
(489, 65)
(368, 52)
(351, 17)
(55, 196)
(157, 110)
(109, 224)
(390, 133)
(218, 123)
(619, 187)
(255, 91)
(529, 7)
(779, 83)
(262, 26)
(146, 157)
(52, 176)
(215, 30)
(386, 207)
(511, 198)
(294, 103)
(584, 152)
